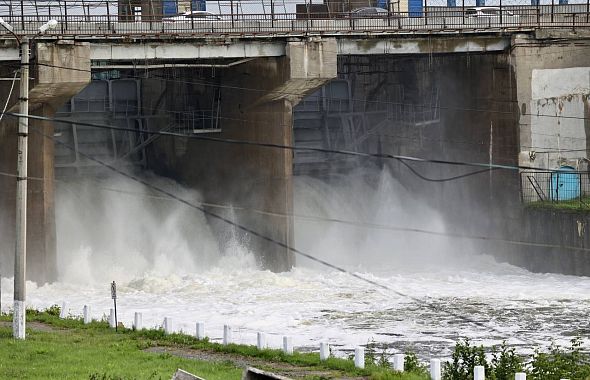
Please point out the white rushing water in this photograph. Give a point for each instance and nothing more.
(167, 264)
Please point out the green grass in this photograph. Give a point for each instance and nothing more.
(74, 350)
(570, 205)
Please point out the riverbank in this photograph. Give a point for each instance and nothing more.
(69, 349)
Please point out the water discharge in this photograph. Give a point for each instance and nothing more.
(168, 262)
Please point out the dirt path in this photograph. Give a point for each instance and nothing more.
(278, 368)
(35, 326)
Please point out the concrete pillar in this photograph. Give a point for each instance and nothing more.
(257, 98)
(52, 85)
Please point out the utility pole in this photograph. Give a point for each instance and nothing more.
(20, 258)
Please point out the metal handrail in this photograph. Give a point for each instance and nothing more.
(439, 19)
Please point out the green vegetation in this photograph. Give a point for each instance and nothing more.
(570, 205)
(558, 363)
(68, 349)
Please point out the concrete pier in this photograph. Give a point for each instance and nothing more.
(257, 99)
(53, 83)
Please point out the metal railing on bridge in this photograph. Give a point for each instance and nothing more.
(430, 19)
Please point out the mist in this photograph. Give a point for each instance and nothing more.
(119, 229)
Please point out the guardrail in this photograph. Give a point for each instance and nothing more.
(431, 19)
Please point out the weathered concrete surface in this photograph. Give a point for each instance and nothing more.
(256, 105)
(51, 87)
(552, 80)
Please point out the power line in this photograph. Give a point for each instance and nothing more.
(281, 244)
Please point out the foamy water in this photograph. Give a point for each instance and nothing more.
(167, 263)
(312, 305)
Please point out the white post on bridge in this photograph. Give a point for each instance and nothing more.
(520, 376)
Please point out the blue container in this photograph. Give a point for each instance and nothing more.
(565, 185)
(562, 2)
(480, 3)
(415, 8)
(169, 7)
(535, 2)
(199, 5)
(451, 3)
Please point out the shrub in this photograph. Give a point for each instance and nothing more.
(560, 363)
(465, 358)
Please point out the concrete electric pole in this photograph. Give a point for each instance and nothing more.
(20, 256)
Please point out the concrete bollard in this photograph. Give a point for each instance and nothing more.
(479, 372)
(200, 330)
(87, 317)
(261, 340)
(520, 376)
(288, 345)
(137, 321)
(359, 357)
(112, 318)
(435, 369)
(398, 362)
(324, 351)
(167, 325)
(226, 335)
(63, 313)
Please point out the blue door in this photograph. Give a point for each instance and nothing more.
(169, 7)
(415, 8)
(565, 185)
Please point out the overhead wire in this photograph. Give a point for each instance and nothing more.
(488, 166)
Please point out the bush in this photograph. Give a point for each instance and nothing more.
(465, 358)
(412, 364)
(505, 363)
(560, 363)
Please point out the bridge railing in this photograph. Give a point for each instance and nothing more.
(430, 19)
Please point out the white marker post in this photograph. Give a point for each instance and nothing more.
(520, 376)
(359, 357)
(63, 313)
(435, 369)
(398, 362)
(261, 340)
(112, 322)
(288, 345)
(479, 372)
(138, 321)
(226, 335)
(87, 317)
(324, 351)
(167, 325)
(200, 330)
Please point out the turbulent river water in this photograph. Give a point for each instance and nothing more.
(437, 294)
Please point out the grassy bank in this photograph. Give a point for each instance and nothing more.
(68, 349)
